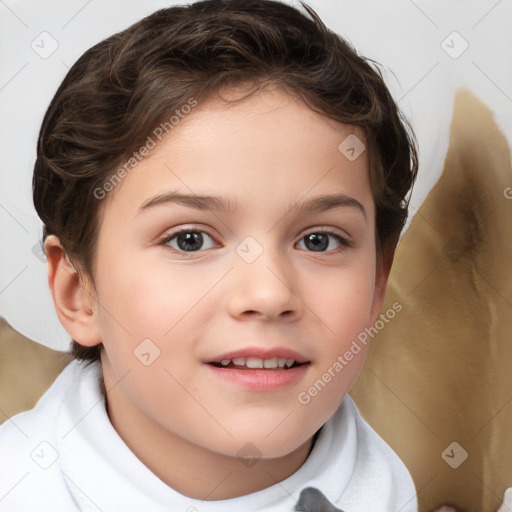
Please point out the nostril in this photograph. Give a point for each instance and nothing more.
(252, 312)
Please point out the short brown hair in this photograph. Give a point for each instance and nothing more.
(123, 87)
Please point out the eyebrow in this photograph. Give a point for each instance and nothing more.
(220, 204)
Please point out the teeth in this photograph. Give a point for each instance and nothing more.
(256, 362)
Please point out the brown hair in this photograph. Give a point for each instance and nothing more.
(123, 87)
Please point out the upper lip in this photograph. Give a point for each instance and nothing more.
(261, 353)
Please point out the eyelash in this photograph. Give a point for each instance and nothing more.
(344, 242)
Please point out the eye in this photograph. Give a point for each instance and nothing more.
(188, 240)
(321, 241)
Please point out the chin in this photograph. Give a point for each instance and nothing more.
(262, 446)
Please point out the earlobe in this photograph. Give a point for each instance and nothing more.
(74, 298)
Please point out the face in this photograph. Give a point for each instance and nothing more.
(246, 239)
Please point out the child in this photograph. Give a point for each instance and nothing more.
(222, 187)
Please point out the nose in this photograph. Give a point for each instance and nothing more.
(265, 289)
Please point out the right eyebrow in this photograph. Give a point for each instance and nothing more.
(203, 202)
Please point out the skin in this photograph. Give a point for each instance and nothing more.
(184, 423)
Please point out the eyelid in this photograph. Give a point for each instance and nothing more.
(342, 235)
(344, 243)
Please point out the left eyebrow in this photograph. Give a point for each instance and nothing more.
(213, 203)
(328, 202)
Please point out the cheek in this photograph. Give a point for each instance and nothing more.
(148, 322)
(157, 308)
(343, 299)
(342, 304)
(148, 299)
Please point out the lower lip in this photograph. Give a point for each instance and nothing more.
(261, 380)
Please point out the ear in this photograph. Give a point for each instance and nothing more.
(384, 261)
(73, 295)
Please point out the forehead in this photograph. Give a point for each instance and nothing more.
(269, 145)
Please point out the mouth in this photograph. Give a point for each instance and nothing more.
(258, 369)
(256, 363)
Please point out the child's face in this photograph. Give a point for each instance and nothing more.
(254, 286)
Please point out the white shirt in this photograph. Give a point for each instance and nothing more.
(64, 455)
